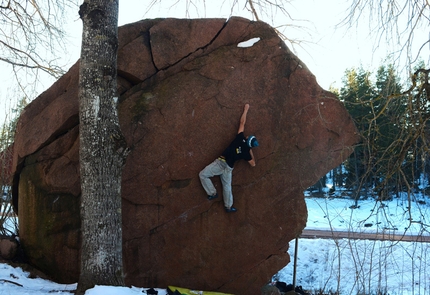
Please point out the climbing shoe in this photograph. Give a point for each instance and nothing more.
(212, 197)
(230, 210)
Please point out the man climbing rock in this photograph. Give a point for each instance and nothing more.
(239, 148)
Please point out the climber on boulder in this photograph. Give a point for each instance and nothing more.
(239, 148)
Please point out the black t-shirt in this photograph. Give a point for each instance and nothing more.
(238, 149)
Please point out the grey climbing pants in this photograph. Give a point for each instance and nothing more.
(218, 167)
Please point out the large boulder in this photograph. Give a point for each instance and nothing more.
(183, 84)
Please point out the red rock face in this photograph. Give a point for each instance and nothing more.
(183, 84)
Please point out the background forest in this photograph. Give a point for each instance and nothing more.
(393, 120)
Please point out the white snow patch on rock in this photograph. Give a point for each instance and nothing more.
(248, 43)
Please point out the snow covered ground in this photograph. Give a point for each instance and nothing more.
(363, 266)
(349, 266)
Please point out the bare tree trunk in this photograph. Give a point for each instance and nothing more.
(102, 147)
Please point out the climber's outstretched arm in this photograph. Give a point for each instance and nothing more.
(243, 119)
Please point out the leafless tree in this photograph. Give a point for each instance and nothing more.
(28, 30)
(103, 149)
(32, 42)
(405, 24)
(259, 10)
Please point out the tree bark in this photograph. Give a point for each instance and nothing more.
(102, 147)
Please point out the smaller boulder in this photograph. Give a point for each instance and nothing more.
(8, 248)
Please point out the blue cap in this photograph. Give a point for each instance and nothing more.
(252, 141)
